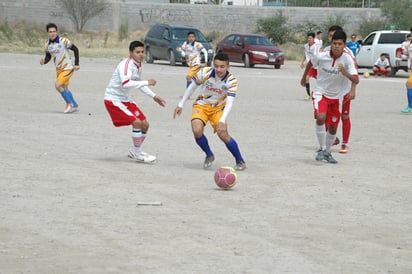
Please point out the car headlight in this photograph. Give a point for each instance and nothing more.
(279, 54)
(261, 53)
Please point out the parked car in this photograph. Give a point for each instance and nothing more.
(386, 42)
(162, 40)
(251, 49)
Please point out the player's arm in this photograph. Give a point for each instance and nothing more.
(228, 107)
(309, 65)
(76, 55)
(205, 54)
(189, 91)
(46, 58)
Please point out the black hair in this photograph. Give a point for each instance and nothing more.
(51, 25)
(335, 28)
(191, 32)
(311, 33)
(319, 32)
(135, 44)
(339, 35)
(222, 57)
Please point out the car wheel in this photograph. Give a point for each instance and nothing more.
(149, 56)
(172, 58)
(246, 61)
(277, 66)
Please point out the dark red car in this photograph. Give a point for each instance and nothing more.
(251, 49)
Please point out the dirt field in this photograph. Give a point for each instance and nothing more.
(69, 195)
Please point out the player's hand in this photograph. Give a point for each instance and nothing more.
(303, 81)
(41, 61)
(177, 112)
(152, 82)
(203, 65)
(159, 100)
(351, 95)
(76, 68)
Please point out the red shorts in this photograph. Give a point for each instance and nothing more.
(346, 105)
(123, 113)
(328, 106)
(313, 73)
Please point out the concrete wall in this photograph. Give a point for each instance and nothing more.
(140, 16)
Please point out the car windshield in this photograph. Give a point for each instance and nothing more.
(257, 40)
(181, 35)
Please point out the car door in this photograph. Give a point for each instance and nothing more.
(237, 49)
(365, 56)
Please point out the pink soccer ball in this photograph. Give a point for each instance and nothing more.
(225, 177)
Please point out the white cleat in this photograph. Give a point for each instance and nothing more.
(143, 157)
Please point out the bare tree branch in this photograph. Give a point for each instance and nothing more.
(81, 11)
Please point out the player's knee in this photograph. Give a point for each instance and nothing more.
(345, 116)
(188, 78)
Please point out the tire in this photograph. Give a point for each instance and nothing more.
(393, 69)
(149, 56)
(246, 61)
(172, 58)
(277, 66)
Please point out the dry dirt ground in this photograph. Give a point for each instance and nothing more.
(69, 195)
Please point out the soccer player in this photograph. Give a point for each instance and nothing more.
(408, 109)
(123, 112)
(311, 49)
(334, 67)
(351, 94)
(319, 40)
(218, 91)
(191, 50)
(58, 48)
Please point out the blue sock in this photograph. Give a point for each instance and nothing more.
(234, 149)
(188, 83)
(66, 96)
(204, 145)
(74, 103)
(409, 97)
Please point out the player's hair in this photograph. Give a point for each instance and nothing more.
(191, 32)
(319, 32)
(383, 54)
(339, 35)
(135, 44)
(311, 33)
(222, 57)
(51, 25)
(335, 28)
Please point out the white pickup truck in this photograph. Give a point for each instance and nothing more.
(384, 41)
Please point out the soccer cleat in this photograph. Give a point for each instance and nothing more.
(307, 98)
(320, 155)
(208, 161)
(240, 166)
(344, 148)
(68, 108)
(328, 157)
(142, 157)
(406, 110)
(336, 142)
(75, 109)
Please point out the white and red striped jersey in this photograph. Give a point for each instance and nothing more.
(126, 76)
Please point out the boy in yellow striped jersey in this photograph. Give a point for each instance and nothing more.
(191, 50)
(218, 91)
(58, 48)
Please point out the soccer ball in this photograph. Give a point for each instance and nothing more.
(225, 177)
(366, 75)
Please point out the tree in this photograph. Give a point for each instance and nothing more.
(274, 27)
(81, 11)
(398, 12)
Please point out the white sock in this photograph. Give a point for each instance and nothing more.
(321, 134)
(137, 138)
(329, 141)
